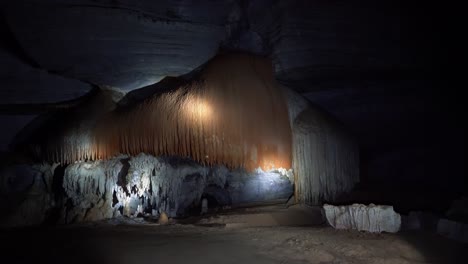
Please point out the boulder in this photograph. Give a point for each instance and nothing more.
(453, 230)
(372, 218)
(163, 219)
(416, 220)
(458, 210)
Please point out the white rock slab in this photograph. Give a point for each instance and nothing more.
(372, 218)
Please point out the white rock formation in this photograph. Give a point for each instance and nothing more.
(128, 186)
(325, 156)
(372, 218)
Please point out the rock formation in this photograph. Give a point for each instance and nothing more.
(453, 230)
(372, 218)
(325, 157)
(128, 186)
(237, 151)
(90, 41)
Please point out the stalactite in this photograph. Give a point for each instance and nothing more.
(236, 101)
(325, 157)
(232, 114)
(66, 136)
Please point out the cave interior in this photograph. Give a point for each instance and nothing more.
(131, 122)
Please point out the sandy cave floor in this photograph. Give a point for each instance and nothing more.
(248, 237)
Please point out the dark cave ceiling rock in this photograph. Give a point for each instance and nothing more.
(130, 44)
(23, 84)
(213, 12)
(376, 107)
(119, 46)
(332, 41)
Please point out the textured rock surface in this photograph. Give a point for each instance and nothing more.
(325, 156)
(372, 218)
(117, 46)
(69, 128)
(23, 84)
(313, 43)
(245, 187)
(26, 193)
(359, 61)
(128, 186)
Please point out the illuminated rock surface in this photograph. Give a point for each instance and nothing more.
(130, 186)
(372, 218)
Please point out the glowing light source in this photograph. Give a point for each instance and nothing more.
(198, 108)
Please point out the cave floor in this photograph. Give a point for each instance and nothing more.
(218, 239)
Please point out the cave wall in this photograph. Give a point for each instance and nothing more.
(318, 48)
(369, 64)
(325, 162)
(128, 186)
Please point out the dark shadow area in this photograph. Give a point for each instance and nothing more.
(435, 248)
(211, 201)
(59, 196)
(11, 45)
(101, 243)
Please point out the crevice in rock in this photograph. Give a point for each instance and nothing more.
(149, 208)
(68, 208)
(54, 214)
(122, 176)
(57, 184)
(115, 200)
(134, 189)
